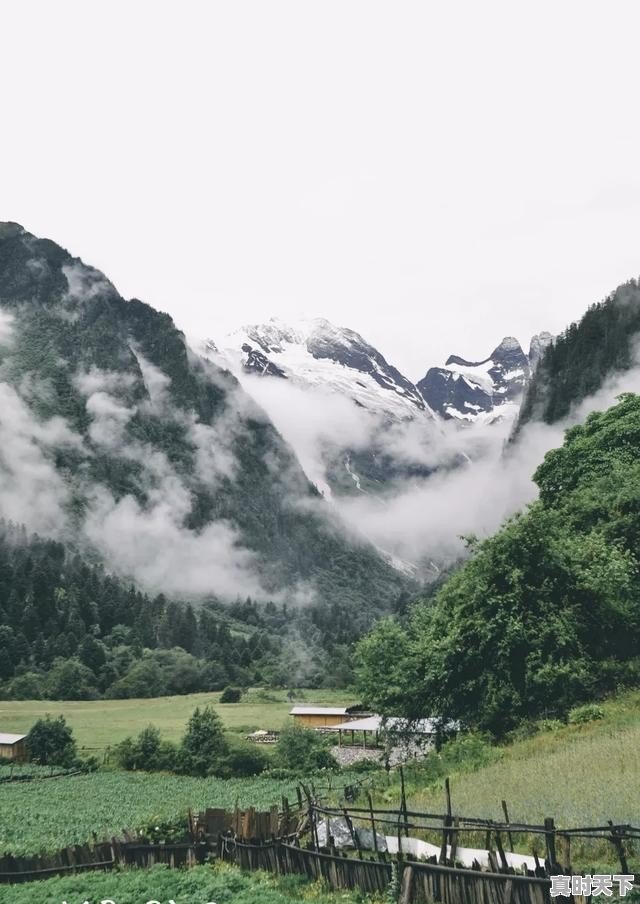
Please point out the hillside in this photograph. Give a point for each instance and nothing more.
(577, 773)
(577, 363)
(121, 442)
(545, 613)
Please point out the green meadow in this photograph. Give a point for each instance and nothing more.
(98, 724)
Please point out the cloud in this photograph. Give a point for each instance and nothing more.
(426, 520)
(152, 545)
(32, 492)
(84, 282)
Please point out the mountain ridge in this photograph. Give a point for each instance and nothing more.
(151, 456)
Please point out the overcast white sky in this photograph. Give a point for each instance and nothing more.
(433, 175)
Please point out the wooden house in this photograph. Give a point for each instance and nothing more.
(319, 716)
(326, 716)
(13, 747)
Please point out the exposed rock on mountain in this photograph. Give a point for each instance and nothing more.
(485, 390)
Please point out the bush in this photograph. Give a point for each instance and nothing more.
(302, 750)
(25, 687)
(69, 679)
(366, 765)
(50, 742)
(147, 752)
(242, 761)
(590, 712)
(231, 695)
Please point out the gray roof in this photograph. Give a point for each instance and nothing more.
(318, 711)
(11, 738)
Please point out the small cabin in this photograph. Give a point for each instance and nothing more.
(319, 716)
(13, 747)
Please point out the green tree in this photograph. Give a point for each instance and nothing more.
(203, 745)
(50, 742)
(546, 613)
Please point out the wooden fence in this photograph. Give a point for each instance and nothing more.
(100, 856)
(270, 840)
(419, 883)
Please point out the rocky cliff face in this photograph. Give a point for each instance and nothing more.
(481, 391)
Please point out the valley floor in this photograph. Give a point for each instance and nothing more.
(98, 724)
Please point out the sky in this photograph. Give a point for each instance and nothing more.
(433, 175)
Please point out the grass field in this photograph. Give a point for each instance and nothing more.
(579, 774)
(98, 724)
(221, 883)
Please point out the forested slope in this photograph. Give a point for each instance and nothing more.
(546, 613)
(576, 364)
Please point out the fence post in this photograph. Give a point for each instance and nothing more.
(447, 790)
(550, 838)
(616, 840)
(506, 818)
(403, 803)
(353, 833)
(373, 824)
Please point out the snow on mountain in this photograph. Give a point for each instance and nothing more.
(315, 353)
(483, 391)
(345, 410)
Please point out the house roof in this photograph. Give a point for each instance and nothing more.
(318, 711)
(11, 738)
(374, 723)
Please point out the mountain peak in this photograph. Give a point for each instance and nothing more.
(9, 230)
(479, 390)
(316, 352)
(508, 344)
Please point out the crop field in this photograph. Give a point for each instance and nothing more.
(21, 770)
(98, 724)
(204, 883)
(47, 815)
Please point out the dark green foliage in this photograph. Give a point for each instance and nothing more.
(147, 752)
(546, 614)
(242, 760)
(50, 742)
(119, 642)
(231, 695)
(589, 712)
(303, 751)
(203, 746)
(580, 359)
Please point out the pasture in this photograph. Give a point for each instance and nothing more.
(98, 724)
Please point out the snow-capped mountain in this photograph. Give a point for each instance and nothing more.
(334, 397)
(487, 390)
(315, 353)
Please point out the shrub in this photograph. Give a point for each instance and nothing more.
(242, 761)
(25, 687)
(50, 742)
(231, 695)
(302, 750)
(147, 752)
(590, 712)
